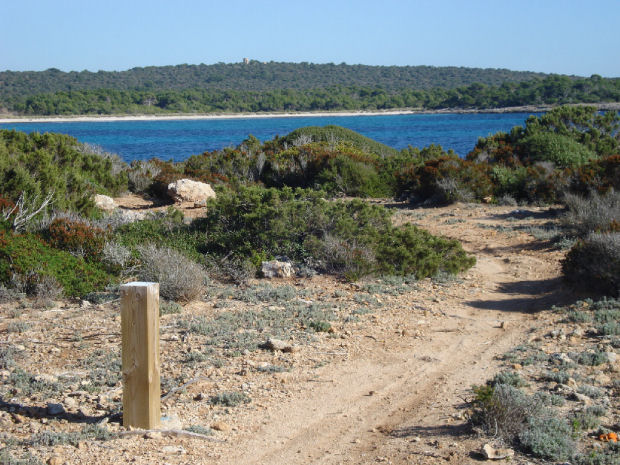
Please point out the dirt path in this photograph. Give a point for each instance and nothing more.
(389, 388)
(396, 402)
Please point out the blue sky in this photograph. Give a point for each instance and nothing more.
(560, 36)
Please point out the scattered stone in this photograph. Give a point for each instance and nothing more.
(281, 267)
(220, 426)
(581, 398)
(55, 460)
(173, 450)
(45, 378)
(171, 422)
(105, 203)
(186, 190)
(70, 402)
(276, 344)
(55, 409)
(491, 453)
(561, 358)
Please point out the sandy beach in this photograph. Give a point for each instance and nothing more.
(216, 116)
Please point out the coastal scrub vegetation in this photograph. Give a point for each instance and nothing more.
(278, 208)
(280, 198)
(40, 164)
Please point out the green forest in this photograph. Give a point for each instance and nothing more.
(271, 87)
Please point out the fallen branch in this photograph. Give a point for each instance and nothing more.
(179, 433)
(183, 386)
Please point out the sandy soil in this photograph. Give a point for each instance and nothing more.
(390, 388)
(163, 117)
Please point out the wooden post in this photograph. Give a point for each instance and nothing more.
(140, 353)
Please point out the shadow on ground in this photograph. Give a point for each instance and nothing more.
(544, 293)
(454, 431)
(42, 412)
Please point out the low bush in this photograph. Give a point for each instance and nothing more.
(509, 378)
(27, 259)
(445, 179)
(547, 437)
(351, 238)
(516, 418)
(593, 264)
(503, 411)
(179, 278)
(77, 238)
(229, 399)
(561, 150)
(595, 213)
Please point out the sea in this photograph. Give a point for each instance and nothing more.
(179, 139)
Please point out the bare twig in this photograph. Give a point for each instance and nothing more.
(179, 433)
(24, 210)
(183, 386)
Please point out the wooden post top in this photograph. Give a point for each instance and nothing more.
(138, 284)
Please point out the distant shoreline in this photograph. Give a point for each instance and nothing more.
(220, 116)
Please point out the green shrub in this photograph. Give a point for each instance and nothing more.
(335, 134)
(29, 257)
(166, 231)
(609, 455)
(503, 410)
(321, 326)
(445, 179)
(38, 164)
(563, 151)
(593, 264)
(229, 399)
(547, 438)
(412, 251)
(167, 307)
(351, 238)
(509, 378)
(592, 358)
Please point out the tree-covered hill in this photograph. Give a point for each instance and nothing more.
(254, 76)
(273, 87)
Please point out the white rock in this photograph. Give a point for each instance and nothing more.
(45, 378)
(491, 453)
(611, 357)
(173, 450)
(277, 269)
(186, 190)
(105, 203)
(276, 344)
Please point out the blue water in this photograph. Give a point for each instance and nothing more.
(177, 140)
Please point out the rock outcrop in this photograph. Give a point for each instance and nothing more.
(105, 203)
(186, 190)
(279, 268)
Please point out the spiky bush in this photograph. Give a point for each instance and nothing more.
(179, 278)
(595, 213)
